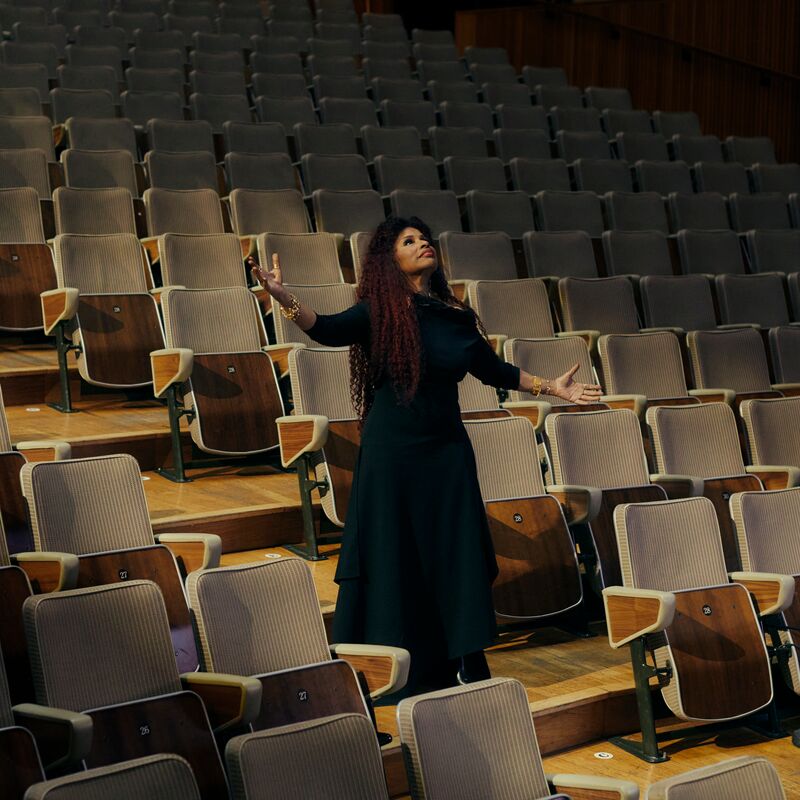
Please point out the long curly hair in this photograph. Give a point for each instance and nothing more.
(395, 349)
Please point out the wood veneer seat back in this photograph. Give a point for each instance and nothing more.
(93, 211)
(183, 211)
(306, 258)
(773, 435)
(515, 308)
(700, 440)
(326, 299)
(196, 261)
(87, 505)
(320, 379)
(498, 728)
(100, 646)
(342, 748)
(603, 304)
(731, 359)
(20, 216)
(258, 618)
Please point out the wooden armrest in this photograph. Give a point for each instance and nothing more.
(598, 787)
(534, 410)
(590, 337)
(460, 288)
(632, 613)
(776, 476)
(193, 550)
(150, 245)
(158, 292)
(58, 305)
(230, 700)
(497, 341)
(63, 738)
(774, 593)
(248, 244)
(714, 395)
(301, 434)
(49, 572)
(279, 353)
(633, 402)
(787, 389)
(384, 668)
(580, 503)
(44, 450)
(679, 486)
(170, 367)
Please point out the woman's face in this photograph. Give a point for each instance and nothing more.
(413, 253)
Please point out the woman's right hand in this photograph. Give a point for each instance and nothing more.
(272, 281)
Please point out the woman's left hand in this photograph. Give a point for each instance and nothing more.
(572, 391)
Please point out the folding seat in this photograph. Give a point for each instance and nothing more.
(636, 253)
(711, 252)
(12, 15)
(507, 211)
(301, 30)
(384, 50)
(680, 585)
(602, 175)
(467, 115)
(83, 56)
(435, 52)
(55, 35)
(350, 33)
(700, 212)
(474, 256)
(511, 143)
(97, 673)
(439, 210)
(758, 300)
(217, 83)
(750, 150)
(452, 91)
(276, 45)
(326, 299)
(221, 108)
(692, 149)
(91, 77)
(239, 11)
(66, 103)
(306, 258)
(374, 67)
(558, 254)
(335, 66)
(348, 111)
(27, 133)
(670, 123)
(26, 76)
(191, 170)
(187, 26)
(664, 177)
(182, 211)
(572, 145)
(406, 172)
(328, 139)
(772, 443)
(201, 261)
(575, 119)
(286, 110)
(635, 147)
(226, 44)
(20, 102)
(406, 90)
(640, 211)
(766, 211)
(794, 209)
(99, 169)
(274, 85)
(612, 98)
(421, 115)
(457, 142)
(157, 59)
(444, 71)
(774, 251)
(393, 21)
(160, 40)
(721, 178)
(277, 63)
(335, 172)
(617, 121)
(534, 175)
(507, 94)
(180, 136)
(99, 36)
(562, 96)
(182, 8)
(254, 211)
(350, 88)
(138, 79)
(775, 177)
(683, 303)
(736, 778)
(544, 76)
(74, 18)
(568, 211)
(25, 168)
(447, 766)
(424, 36)
(528, 118)
(347, 212)
(400, 141)
(493, 73)
(139, 107)
(30, 53)
(129, 21)
(331, 47)
(482, 174)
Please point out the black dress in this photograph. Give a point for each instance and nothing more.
(417, 562)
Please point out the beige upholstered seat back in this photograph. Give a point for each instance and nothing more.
(643, 363)
(339, 756)
(26, 167)
(183, 211)
(281, 209)
(600, 448)
(602, 304)
(161, 777)
(109, 264)
(201, 261)
(306, 258)
(320, 379)
(213, 320)
(329, 299)
(671, 545)
(6, 715)
(744, 778)
(472, 743)
(258, 618)
(773, 434)
(550, 357)
(100, 646)
(513, 308)
(784, 344)
(729, 360)
(476, 396)
(507, 457)
(5, 436)
(93, 211)
(473, 255)
(20, 216)
(87, 505)
(700, 440)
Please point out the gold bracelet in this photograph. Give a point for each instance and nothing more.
(292, 312)
(537, 386)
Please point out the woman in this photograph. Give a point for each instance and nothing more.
(416, 563)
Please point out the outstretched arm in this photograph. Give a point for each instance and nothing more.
(565, 387)
(272, 281)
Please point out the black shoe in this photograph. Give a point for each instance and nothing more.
(473, 668)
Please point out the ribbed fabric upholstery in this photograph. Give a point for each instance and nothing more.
(28, 132)
(636, 252)
(320, 379)
(329, 299)
(643, 363)
(161, 777)
(682, 302)
(237, 324)
(784, 345)
(111, 263)
(93, 211)
(773, 434)
(183, 211)
(472, 743)
(210, 261)
(99, 169)
(102, 134)
(489, 256)
(714, 252)
(25, 168)
(258, 618)
(20, 217)
(752, 299)
(774, 250)
(476, 396)
(729, 360)
(569, 211)
(559, 253)
(742, 778)
(439, 209)
(508, 211)
(700, 440)
(507, 458)
(347, 212)
(601, 448)
(6, 715)
(340, 753)
(195, 170)
(670, 546)
(550, 357)
(282, 209)
(602, 304)
(5, 436)
(640, 211)
(87, 505)
(516, 308)
(306, 258)
(100, 646)
(705, 211)
(5, 559)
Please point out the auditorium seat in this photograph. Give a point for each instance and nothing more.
(201, 261)
(474, 256)
(99, 36)
(670, 123)
(750, 150)
(758, 300)
(181, 170)
(347, 212)
(771, 430)
(721, 178)
(288, 111)
(101, 134)
(343, 110)
(26, 76)
(774, 250)
(692, 149)
(397, 141)
(710, 252)
(513, 309)
(182, 211)
(439, 209)
(405, 172)
(21, 168)
(635, 211)
(462, 175)
(586, 120)
(420, 114)
(569, 211)
(179, 136)
(334, 86)
(679, 586)
(99, 169)
(684, 303)
(275, 44)
(602, 175)
(326, 299)
(510, 143)
(506, 94)
(327, 139)
(380, 67)
(331, 65)
(572, 145)
(251, 137)
(397, 48)
(617, 121)
(93, 211)
(506, 211)
(535, 175)
(331, 47)
(528, 118)
(20, 102)
(783, 346)
(261, 171)
(604, 97)
(664, 177)
(187, 26)
(549, 95)
(221, 108)
(217, 83)
(254, 211)
(139, 107)
(276, 63)
(493, 73)
(635, 147)
(306, 258)
(698, 212)
(67, 103)
(335, 172)
(424, 36)
(494, 712)
(89, 77)
(444, 71)
(275, 85)
(783, 178)
(545, 76)
(450, 91)
(206, 61)
(457, 142)
(764, 211)
(636, 253)
(30, 53)
(558, 254)
(405, 90)
(98, 56)
(143, 57)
